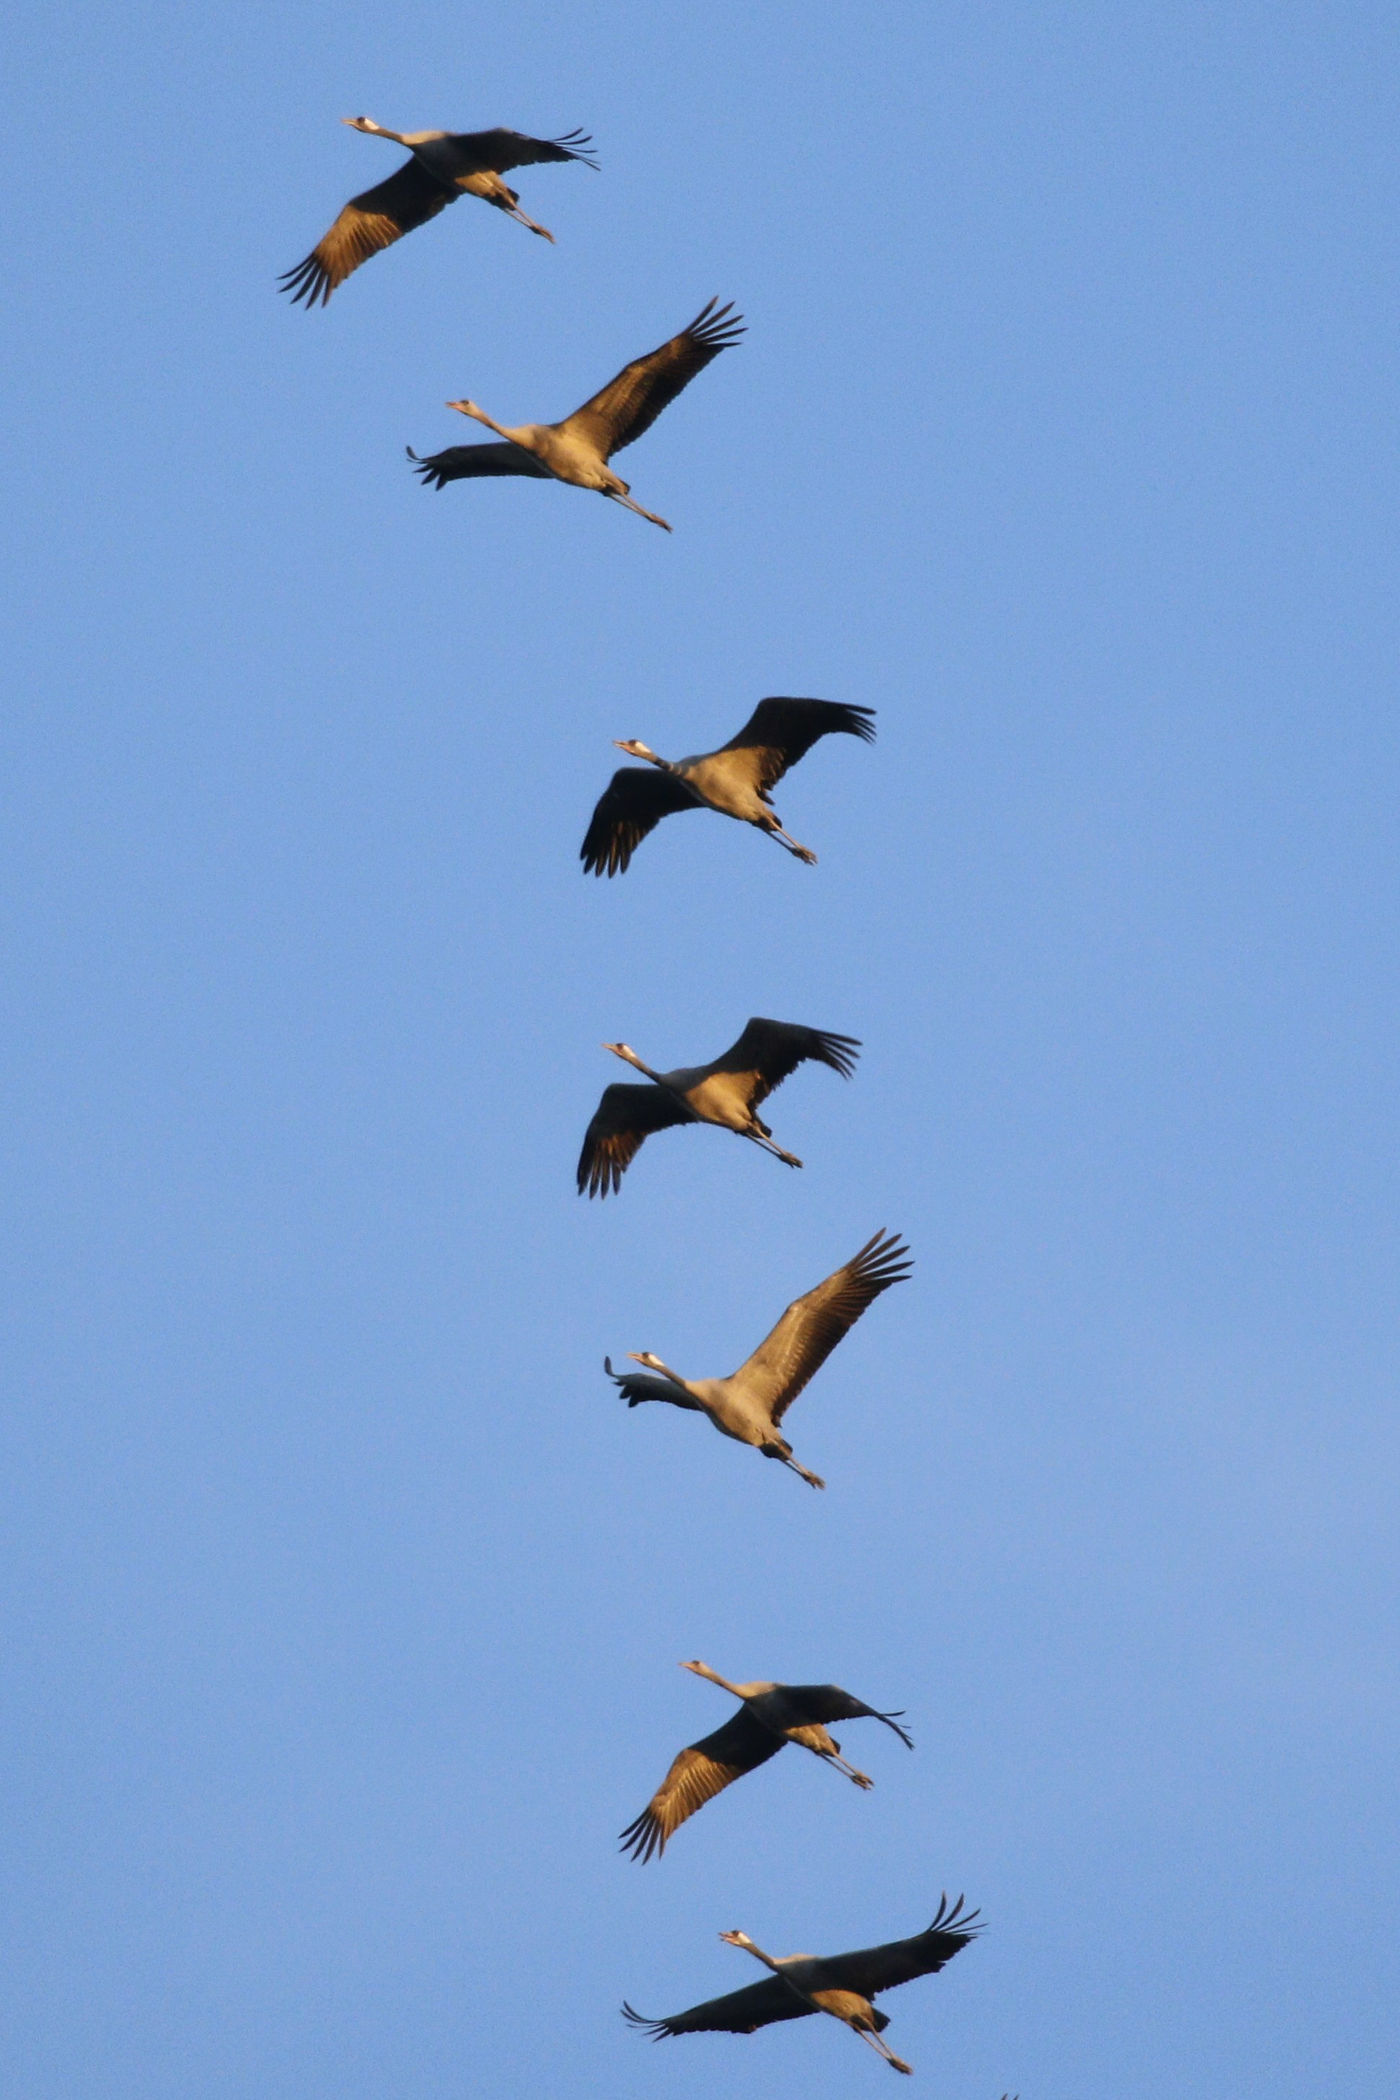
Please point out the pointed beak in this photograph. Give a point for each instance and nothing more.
(634, 1358)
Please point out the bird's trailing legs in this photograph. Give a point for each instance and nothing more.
(812, 1479)
(882, 2048)
(861, 1779)
(784, 838)
(789, 1159)
(513, 211)
(628, 504)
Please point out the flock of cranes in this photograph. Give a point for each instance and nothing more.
(735, 781)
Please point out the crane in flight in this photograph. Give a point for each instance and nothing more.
(734, 780)
(577, 450)
(749, 1406)
(442, 166)
(770, 1716)
(843, 1985)
(726, 1092)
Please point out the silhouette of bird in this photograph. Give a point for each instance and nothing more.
(444, 166)
(750, 1405)
(578, 449)
(733, 780)
(726, 1091)
(842, 1985)
(771, 1715)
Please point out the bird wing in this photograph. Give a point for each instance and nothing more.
(631, 403)
(700, 1772)
(813, 1324)
(827, 1702)
(768, 1051)
(495, 151)
(738, 2012)
(471, 462)
(872, 1969)
(633, 803)
(624, 1117)
(373, 220)
(780, 731)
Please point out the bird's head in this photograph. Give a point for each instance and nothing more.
(736, 1939)
(360, 123)
(653, 1363)
(700, 1669)
(468, 408)
(635, 748)
(626, 1053)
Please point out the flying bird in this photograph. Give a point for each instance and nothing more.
(840, 1984)
(726, 1091)
(578, 449)
(733, 780)
(750, 1405)
(771, 1715)
(445, 165)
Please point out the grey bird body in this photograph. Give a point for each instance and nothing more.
(733, 781)
(750, 1404)
(841, 1985)
(770, 1716)
(443, 165)
(725, 1092)
(577, 449)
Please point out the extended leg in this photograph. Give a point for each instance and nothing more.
(882, 2049)
(775, 831)
(533, 224)
(628, 504)
(789, 1159)
(812, 1479)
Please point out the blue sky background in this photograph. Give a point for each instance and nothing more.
(343, 1597)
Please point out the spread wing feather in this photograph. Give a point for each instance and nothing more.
(872, 1969)
(633, 803)
(373, 220)
(700, 1772)
(470, 462)
(631, 403)
(770, 1050)
(738, 2012)
(781, 731)
(493, 152)
(812, 1325)
(827, 1702)
(623, 1119)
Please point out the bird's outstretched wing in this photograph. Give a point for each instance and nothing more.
(631, 403)
(495, 151)
(373, 220)
(872, 1969)
(700, 1772)
(624, 1117)
(827, 1702)
(738, 2012)
(768, 1051)
(814, 1323)
(781, 731)
(633, 803)
(469, 462)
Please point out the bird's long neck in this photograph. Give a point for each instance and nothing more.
(675, 1378)
(630, 1057)
(703, 1670)
(759, 1955)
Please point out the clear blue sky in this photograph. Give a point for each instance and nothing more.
(343, 1597)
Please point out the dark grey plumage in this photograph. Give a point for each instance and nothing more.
(444, 166)
(771, 1716)
(727, 1092)
(734, 780)
(843, 1985)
